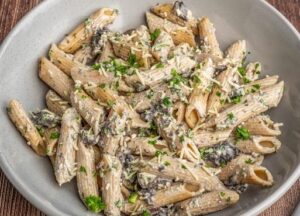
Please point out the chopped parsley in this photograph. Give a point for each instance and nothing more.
(88, 21)
(158, 153)
(152, 141)
(236, 99)
(110, 103)
(103, 85)
(94, 203)
(82, 169)
(167, 163)
(146, 213)
(183, 166)
(255, 88)
(246, 80)
(112, 66)
(96, 66)
(166, 101)
(132, 60)
(196, 80)
(230, 116)
(203, 153)
(150, 94)
(133, 197)
(176, 79)
(154, 35)
(40, 130)
(159, 65)
(222, 194)
(242, 71)
(242, 133)
(249, 161)
(54, 135)
(218, 94)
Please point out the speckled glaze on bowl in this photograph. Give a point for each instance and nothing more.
(271, 40)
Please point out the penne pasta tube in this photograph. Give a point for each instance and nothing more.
(204, 138)
(260, 84)
(147, 146)
(65, 62)
(98, 158)
(152, 77)
(51, 137)
(208, 203)
(262, 125)
(236, 52)
(174, 194)
(55, 103)
(26, 127)
(196, 109)
(259, 145)
(86, 179)
(124, 49)
(246, 169)
(182, 170)
(84, 32)
(178, 33)
(84, 55)
(176, 13)
(65, 164)
(90, 111)
(162, 46)
(111, 184)
(56, 79)
(260, 101)
(209, 42)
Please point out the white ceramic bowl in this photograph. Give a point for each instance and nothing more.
(271, 40)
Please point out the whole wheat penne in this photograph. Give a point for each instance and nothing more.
(209, 42)
(147, 146)
(83, 33)
(260, 84)
(84, 55)
(124, 49)
(236, 52)
(65, 62)
(55, 103)
(86, 178)
(146, 79)
(262, 125)
(196, 109)
(176, 13)
(98, 158)
(259, 144)
(162, 46)
(174, 194)
(51, 137)
(56, 79)
(203, 138)
(182, 170)
(208, 203)
(246, 169)
(90, 111)
(65, 163)
(178, 33)
(26, 127)
(111, 187)
(260, 101)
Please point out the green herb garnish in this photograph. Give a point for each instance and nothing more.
(249, 161)
(152, 142)
(242, 133)
(54, 135)
(230, 116)
(146, 213)
(159, 65)
(132, 60)
(82, 169)
(167, 102)
(154, 35)
(94, 203)
(133, 197)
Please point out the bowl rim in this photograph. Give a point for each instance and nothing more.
(35, 200)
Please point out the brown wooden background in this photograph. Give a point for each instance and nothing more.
(13, 204)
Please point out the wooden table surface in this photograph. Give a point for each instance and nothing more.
(11, 201)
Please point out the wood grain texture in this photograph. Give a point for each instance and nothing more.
(13, 204)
